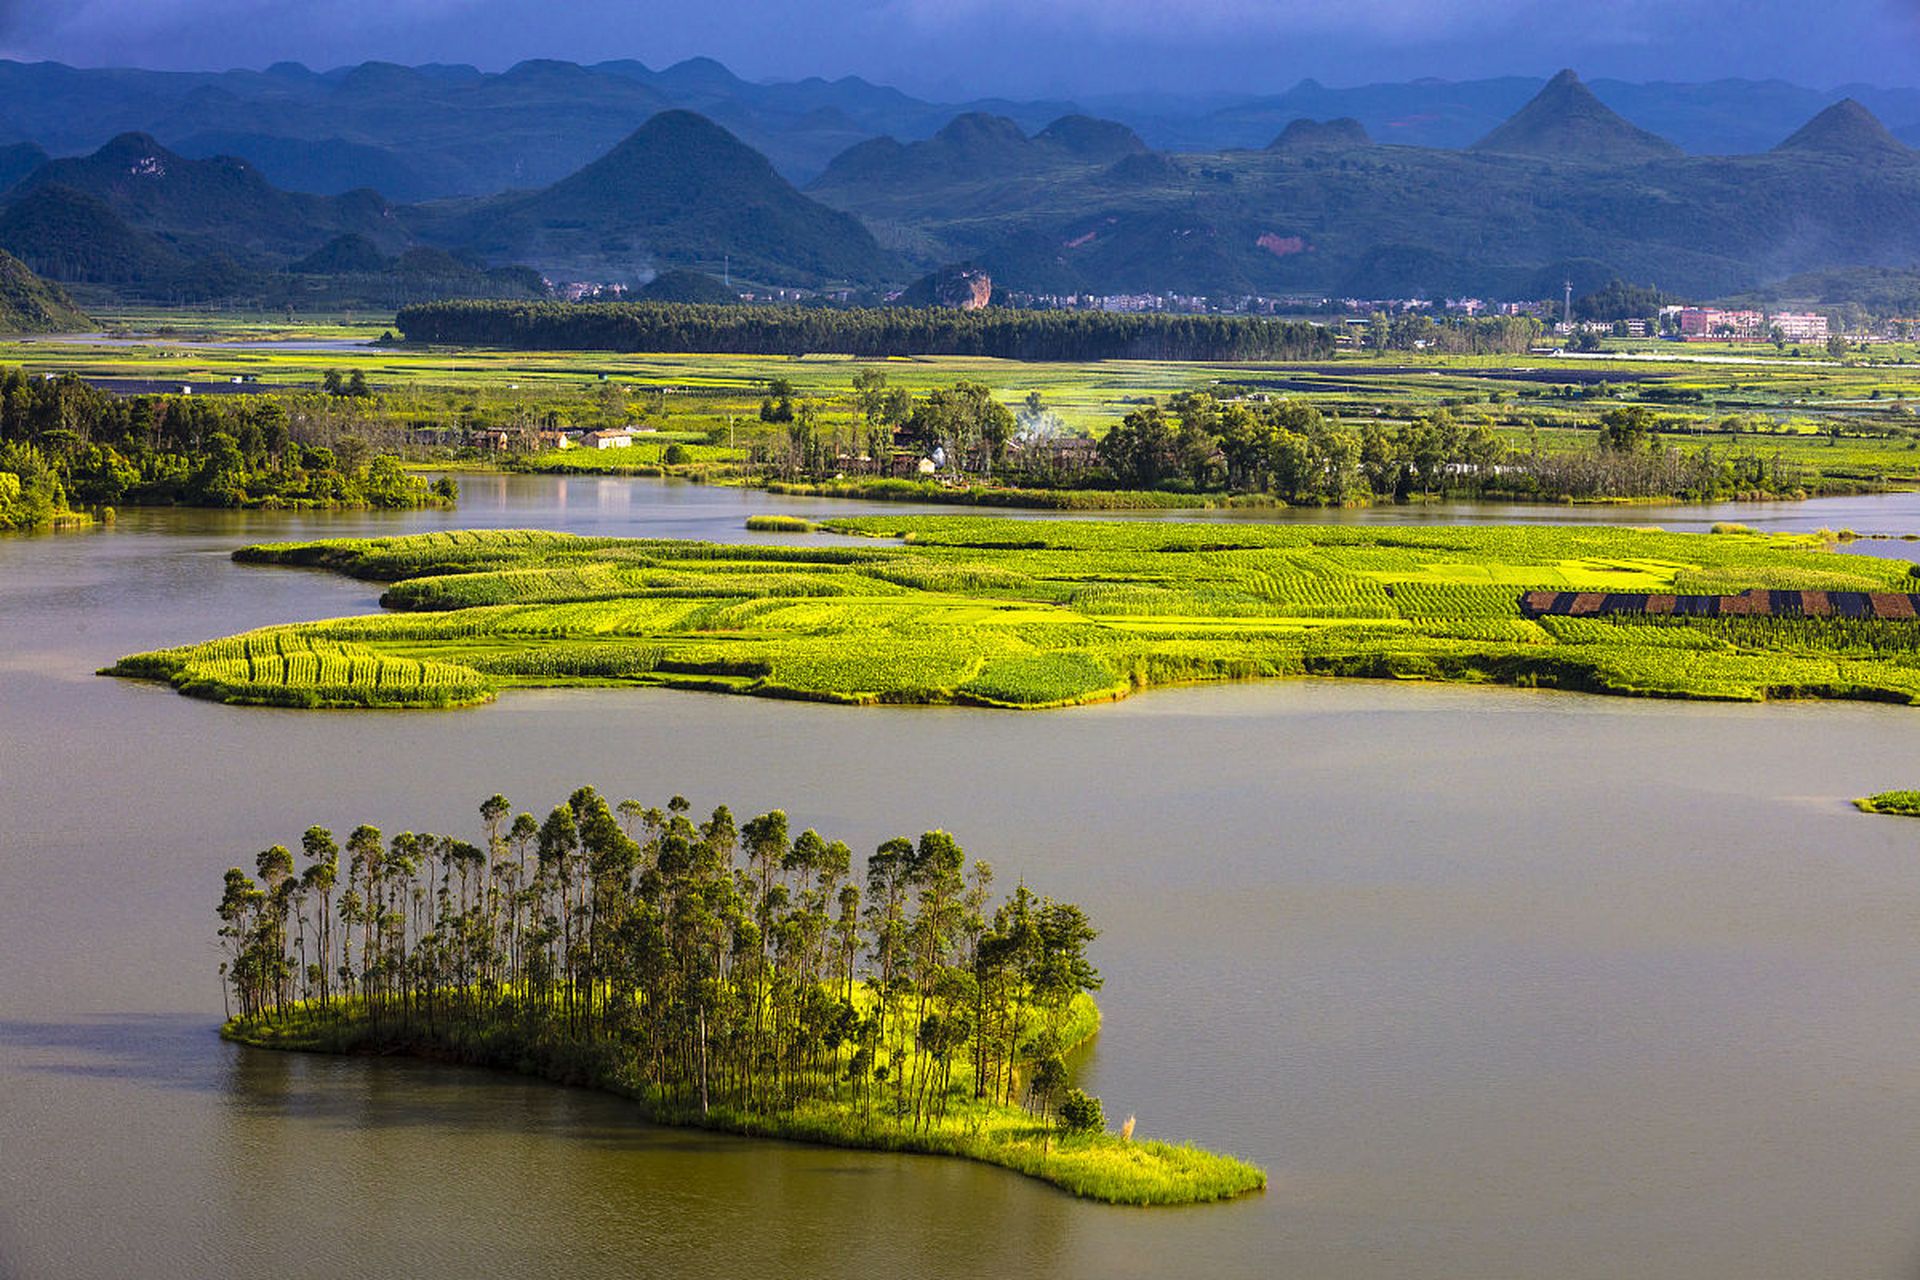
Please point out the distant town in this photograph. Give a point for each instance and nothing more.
(1680, 322)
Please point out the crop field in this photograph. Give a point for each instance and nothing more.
(1846, 425)
(1029, 614)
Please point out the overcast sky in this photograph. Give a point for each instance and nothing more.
(1020, 48)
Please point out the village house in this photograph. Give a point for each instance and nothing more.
(606, 439)
(1058, 453)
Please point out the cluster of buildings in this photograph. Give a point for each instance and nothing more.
(587, 290)
(501, 439)
(1186, 304)
(1717, 324)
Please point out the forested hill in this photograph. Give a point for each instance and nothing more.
(29, 304)
(1566, 122)
(1007, 334)
(679, 191)
(218, 205)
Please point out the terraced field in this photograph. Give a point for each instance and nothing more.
(1019, 613)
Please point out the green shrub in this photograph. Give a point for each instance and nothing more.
(1080, 1112)
(780, 524)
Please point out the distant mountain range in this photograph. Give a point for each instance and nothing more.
(1564, 189)
(420, 133)
(679, 192)
(1044, 198)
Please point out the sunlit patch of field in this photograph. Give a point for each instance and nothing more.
(976, 610)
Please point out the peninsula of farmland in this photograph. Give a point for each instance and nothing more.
(1029, 614)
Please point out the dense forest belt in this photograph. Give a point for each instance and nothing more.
(891, 331)
(1000, 612)
(728, 976)
(62, 440)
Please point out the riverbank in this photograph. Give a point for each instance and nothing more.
(723, 466)
(1099, 1166)
(58, 522)
(885, 490)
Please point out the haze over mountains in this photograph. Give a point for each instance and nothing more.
(417, 133)
(605, 174)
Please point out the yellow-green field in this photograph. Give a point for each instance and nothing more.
(1032, 614)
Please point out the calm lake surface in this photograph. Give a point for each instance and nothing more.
(1495, 983)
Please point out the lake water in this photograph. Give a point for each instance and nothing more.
(1495, 983)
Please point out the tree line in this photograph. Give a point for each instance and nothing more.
(1196, 442)
(1289, 449)
(1462, 335)
(873, 332)
(67, 440)
(705, 964)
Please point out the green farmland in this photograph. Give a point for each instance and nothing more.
(1827, 427)
(1028, 614)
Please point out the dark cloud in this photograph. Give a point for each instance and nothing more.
(1023, 47)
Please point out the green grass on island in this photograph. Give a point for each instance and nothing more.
(781, 524)
(727, 975)
(1904, 804)
(1027, 613)
(1096, 1166)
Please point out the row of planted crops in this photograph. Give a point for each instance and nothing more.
(1030, 613)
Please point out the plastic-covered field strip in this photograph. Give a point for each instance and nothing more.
(1758, 602)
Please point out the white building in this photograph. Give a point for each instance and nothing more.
(1799, 326)
(607, 439)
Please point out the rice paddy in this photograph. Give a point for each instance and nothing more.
(981, 611)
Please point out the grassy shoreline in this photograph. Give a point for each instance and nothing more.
(1899, 804)
(1102, 1166)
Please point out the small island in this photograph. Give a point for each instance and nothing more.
(1901, 804)
(727, 976)
(994, 612)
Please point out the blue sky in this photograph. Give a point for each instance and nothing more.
(1023, 48)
